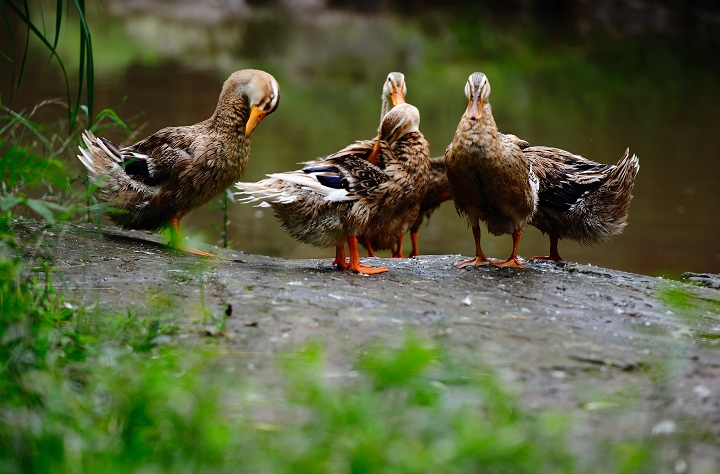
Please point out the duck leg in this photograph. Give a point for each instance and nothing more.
(480, 258)
(368, 246)
(397, 251)
(415, 252)
(554, 255)
(176, 239)
(340, 257)
(513, 261)
(355, 265)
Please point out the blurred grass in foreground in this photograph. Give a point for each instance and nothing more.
(77, 399)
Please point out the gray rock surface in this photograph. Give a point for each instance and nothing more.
(629, 354)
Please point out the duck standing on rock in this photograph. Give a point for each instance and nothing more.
(580, 199)
(356, 191)
(158, 180)
(490, 178)
(394, 90)
(391, 237)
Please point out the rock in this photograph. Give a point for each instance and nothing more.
(563, 335)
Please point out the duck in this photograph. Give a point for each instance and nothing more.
(580, 199)
(158, 180)
(393, 92)
(391, 237)
(355, 191)
(438, 191)
(490, 178)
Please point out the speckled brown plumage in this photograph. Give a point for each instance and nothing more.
(391, 236)
(580, 199)
(438, 191)
(341, 196)
(158, 180)
(490, 178)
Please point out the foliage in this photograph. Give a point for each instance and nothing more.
(86, 69)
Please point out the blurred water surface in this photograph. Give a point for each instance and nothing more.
(591, 95)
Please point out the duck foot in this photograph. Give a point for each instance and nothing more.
(480, 258)
(509, 263)
(191, 250)
(340, 259)
(176, 239)
(478, 261)
(554, 255)
(513, 261)
(354, 264)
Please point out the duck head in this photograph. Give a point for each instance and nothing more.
(394, 88)
(477, 90)
(259, 90)
(403, 118)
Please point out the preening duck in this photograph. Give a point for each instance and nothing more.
(356, 191)
(158, 180)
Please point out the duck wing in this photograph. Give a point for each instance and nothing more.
(346, 177)
(153, 159)
(510, 139)
(564, 177)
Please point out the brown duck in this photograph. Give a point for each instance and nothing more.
(356, 191)
(490, 178)
(580, 199)
(391, 237)
(158, 180)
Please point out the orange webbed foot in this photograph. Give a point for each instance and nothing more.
(193, 251)
(355, 265)
(176, 239)
(509, 263)
(366, 269)
(477, 261)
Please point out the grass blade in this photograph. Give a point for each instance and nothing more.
(86, 54)
(58, 23)
(27, 45)
(31, 27)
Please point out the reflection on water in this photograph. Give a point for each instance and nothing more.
(592, 101)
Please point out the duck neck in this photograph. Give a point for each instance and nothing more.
(384, 108)
(231, 116)
(483, 130)
(412, 144)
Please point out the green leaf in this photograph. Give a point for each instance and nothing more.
(42, 208)
(9, 201)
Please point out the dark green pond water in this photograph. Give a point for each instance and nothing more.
(592, 97)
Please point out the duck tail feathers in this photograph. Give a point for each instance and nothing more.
(626, 170)
(96, 157)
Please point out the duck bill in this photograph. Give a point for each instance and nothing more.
(373, 156)
(397, 96)
(256, 116)
(474, 109)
